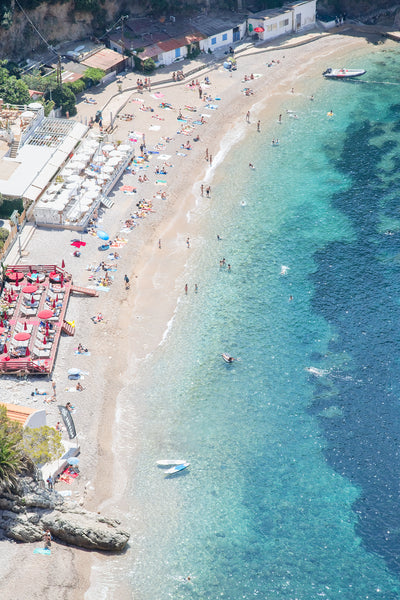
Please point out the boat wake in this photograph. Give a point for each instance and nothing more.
(318, 372)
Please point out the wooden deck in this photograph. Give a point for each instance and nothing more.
(19, 312)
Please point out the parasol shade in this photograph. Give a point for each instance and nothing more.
(30, 289)
(45, 314)
(22, 336)
(258, 29)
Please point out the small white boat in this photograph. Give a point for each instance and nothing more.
(343, 73)
(177, 468)
(170, 463)
(227, 358)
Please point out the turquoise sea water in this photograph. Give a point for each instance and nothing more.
(293, 491)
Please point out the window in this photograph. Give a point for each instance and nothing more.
(269, 27)
(213, 41)
(177, 52)
(224, 37)
(274, 26)
(284, 23)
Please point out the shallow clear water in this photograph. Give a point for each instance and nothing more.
(293, 488)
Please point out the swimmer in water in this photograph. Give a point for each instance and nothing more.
(330, 113)
(251, 166)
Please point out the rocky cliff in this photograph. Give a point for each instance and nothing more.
(30, 510)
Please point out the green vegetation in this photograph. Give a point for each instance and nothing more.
(7, 207)
(42, 444)
(93, 76)
(65, 98)
(4, 233)
(13, 460)
(12, 90)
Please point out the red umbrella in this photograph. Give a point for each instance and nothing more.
(29, 289)
(45, 314)
(16, 278)
(32, 300)
(258, 29)
(25, 326)
(22, 336)
(47, 327)
(63, 264)
(45, 340)
(53, 304)
(5, 350)
(27, 353)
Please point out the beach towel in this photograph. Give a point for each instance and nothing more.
(154, 127)
(212, 106)
(45, 551)
(180, 154)
(137, 100)
(164, 156)
(161, 182)
(157, 95)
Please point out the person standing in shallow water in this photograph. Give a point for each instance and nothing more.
(186, 288)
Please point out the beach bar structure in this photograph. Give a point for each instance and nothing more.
(291, 18)
(33, 304)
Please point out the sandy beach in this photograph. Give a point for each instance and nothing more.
(154, 257)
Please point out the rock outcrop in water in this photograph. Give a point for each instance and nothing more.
(29, 510)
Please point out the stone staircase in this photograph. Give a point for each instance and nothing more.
(14, 148)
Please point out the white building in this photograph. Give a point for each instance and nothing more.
(291, 18)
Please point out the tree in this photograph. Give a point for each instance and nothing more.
(149, 65)
(42, 444)
(12, 90)
(12, 458)
(66, 99)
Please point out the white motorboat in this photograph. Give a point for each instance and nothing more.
(343, 73)
(177, 468)
(170, 463)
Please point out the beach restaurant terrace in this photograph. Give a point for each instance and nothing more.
(33, 304)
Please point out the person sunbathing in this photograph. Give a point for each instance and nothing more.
(79, 387)
(82, 349)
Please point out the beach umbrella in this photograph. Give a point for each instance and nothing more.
(74, 460)
(108, 169)
(63, 264)
(108, 147)
(258, 29)
(22, 336)
(114, 161)
(27, 353)
(29, 289)
(124, 147)
(25, 326)
(103, 235)
(5, 349)
(45, 340)
(45, 314)
(115, 153)
(32, 300)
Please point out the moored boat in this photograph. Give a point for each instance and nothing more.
(170, 462)
(177, 468)
(343, 73)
